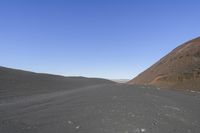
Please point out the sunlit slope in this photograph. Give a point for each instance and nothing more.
(180, 69)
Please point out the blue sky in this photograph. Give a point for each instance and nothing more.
(113, 39)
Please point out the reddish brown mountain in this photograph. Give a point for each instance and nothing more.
(180, 69)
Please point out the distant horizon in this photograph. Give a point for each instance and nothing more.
(90, 76)
(56, 74)
(104, 39)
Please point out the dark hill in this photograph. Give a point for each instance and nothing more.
(14, 83)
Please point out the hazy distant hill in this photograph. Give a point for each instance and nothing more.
(180, 69)
(22, 83)
(120, 80)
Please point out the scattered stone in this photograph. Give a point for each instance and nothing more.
(78, 127)
(140, 130)
(69, 122)
(143, 130)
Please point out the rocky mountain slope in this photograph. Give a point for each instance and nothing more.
(180, 69)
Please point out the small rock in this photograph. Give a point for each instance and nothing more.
(143, 130)
(78, 127)
(69, 122)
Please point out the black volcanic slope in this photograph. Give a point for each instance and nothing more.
(180, 69)
(14, 83)
(40, 103)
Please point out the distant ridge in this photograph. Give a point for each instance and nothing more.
(180, 69)
(120, 80)
(16, 83)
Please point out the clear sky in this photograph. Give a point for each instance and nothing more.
(113, 39)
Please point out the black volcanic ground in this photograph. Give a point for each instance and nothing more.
(43, 104)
